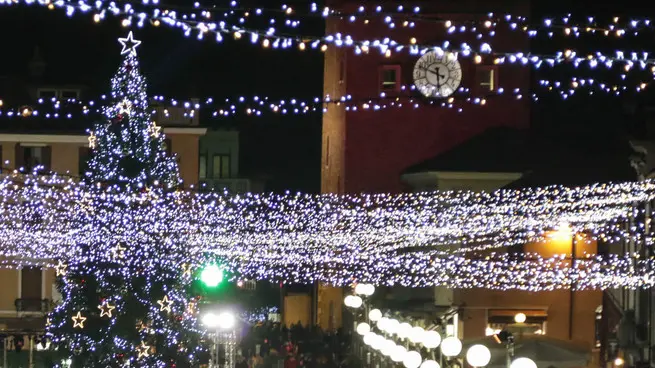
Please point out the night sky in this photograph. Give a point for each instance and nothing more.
(283, 149)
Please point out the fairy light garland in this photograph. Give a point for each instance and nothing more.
(630, 60)
(258, 106)
(295, 238)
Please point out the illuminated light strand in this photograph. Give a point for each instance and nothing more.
(257, 106)
(408, 17)
(418, 270)
(275, 232)
(386, 46)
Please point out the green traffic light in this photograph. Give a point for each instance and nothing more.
(211, 276)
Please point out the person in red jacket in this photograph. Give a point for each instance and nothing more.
(291, 362)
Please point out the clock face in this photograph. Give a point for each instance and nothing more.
(437, 75)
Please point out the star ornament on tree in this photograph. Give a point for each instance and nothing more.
(125, 107)
(92, 140)
(60, 269)
(165, 304)
(144, 350)
(78, 320)
(129, 44)
(106, 309)
(118, 251)
(154, 130)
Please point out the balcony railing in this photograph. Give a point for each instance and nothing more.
(230, 185)
(33, 305)
(175, 116)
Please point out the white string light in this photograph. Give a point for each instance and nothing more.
(378, 239)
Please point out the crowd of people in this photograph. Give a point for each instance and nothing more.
(273, 345)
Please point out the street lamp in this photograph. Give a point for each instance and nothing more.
(412, 359)
(374, 315)
(222, 321)
(404, 330)
(363, 328)
(398, 353)
(416, 335)
(430, 364)
(523, 363)
(353, 301)
(478, 356)
(451, 346)
(431, 339)
(520, 318)
(364, 289)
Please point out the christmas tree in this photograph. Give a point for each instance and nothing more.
(125, 296)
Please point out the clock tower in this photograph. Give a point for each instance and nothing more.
(367, 150)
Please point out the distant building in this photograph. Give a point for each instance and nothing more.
(219, 164)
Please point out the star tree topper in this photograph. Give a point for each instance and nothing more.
(129, 44)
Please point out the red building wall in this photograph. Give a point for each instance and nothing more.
(367, 151)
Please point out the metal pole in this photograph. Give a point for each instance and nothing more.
(31, 365)
(4, 356)
(216, 350)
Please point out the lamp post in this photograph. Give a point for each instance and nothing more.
(356, 302)
(224, 323)
(523, 363)
(478, 356)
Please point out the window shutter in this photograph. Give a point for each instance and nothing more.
(46, 155)
(19, 158)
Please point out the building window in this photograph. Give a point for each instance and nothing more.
(389, 78)
(202, 167)
(247, 284)
(486, 79)
(30, 289)
(66, 94)
(221, 166)
(499, 320)
(47, 93)
(30, 157)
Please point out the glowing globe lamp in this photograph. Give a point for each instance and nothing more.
(478, 356)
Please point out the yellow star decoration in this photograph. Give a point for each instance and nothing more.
(118, 251)
(144, 350)
(60, 269)
(142, 326)
(106, 309)
(186, 270)
(92, 140)
(78, 320)
(125, 107)
(165, 304)
(154, 130)
(191, 308)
